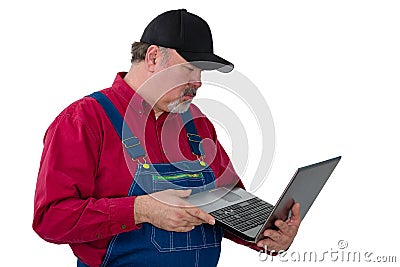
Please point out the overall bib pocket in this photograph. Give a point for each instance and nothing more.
(202, 236)
(194, 181)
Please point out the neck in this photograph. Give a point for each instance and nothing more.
(135, 78)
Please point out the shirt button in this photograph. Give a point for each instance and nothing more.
(140, 111)
(123, 227)
(98, 235)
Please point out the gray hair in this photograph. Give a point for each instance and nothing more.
(139, 50)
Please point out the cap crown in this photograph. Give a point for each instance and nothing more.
(180, 30)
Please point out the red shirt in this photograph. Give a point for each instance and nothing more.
(85, 174)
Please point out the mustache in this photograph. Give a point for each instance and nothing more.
(190, 91)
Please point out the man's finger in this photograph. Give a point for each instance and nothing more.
(184, 229)
(183, 193)
(295, 218)
(283, 226)
(202, 215)
(268, 244)
(191, 220)
(272, 234)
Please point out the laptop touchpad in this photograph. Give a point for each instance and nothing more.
(231, 197)
(225, 194)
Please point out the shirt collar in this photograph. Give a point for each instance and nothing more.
(134, 100)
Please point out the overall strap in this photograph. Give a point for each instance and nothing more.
(130, 142)
(193, 137)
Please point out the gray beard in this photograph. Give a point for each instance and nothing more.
(177, 107)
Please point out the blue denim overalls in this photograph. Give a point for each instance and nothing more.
(149, 245)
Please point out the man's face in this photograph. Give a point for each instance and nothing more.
(182, 80)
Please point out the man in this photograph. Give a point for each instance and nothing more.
(117, 165)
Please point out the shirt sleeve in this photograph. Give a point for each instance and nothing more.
(64, 209)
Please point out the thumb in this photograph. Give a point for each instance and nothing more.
(183, 193)
(295, 218)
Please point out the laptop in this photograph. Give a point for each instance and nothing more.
(248, 216)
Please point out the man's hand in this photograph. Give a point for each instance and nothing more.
(169, 211)
(282, 238)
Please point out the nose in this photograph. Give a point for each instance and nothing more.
(195, 84)
(195, 79)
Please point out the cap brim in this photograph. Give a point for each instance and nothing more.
(207, 61)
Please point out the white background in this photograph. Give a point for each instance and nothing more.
(329, 71)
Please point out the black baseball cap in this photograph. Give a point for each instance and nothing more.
(189, 35)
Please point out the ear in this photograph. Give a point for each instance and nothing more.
(152, 54)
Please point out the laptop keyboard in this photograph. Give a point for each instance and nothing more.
(244, 215)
